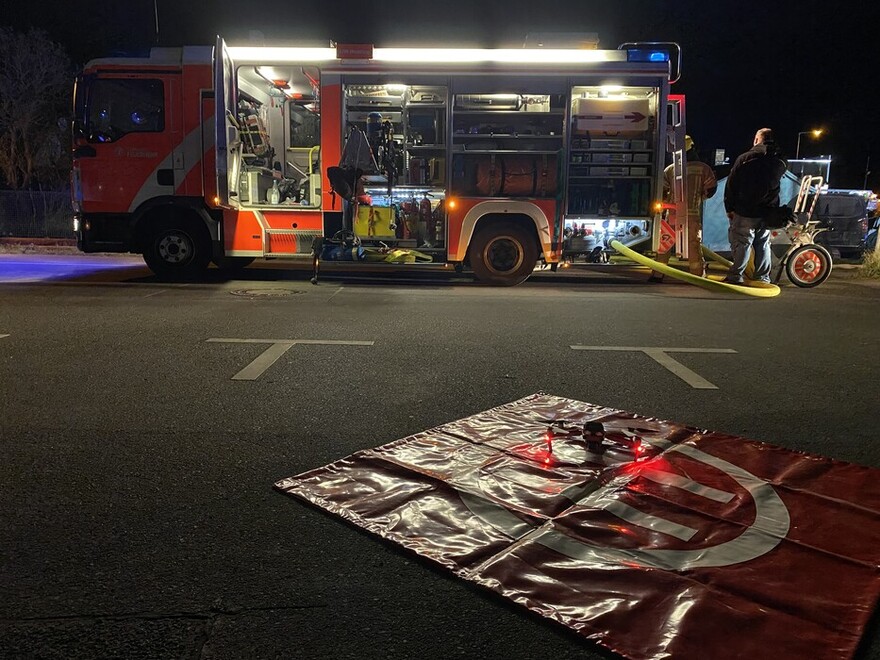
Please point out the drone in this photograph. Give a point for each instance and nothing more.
(594, 435)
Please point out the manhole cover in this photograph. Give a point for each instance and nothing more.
(266, 293)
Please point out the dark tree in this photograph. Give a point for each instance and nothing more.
(35, 98)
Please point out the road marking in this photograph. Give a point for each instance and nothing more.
(277, 348)
(2, 336)
(661, 356)
(155, 293)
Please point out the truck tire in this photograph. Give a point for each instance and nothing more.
(502, 254)
(177, 250)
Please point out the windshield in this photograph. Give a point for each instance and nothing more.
(108, 108)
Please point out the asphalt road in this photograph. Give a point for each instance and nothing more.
(138, 514)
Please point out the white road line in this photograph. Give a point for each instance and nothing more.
(660, 355)
(155, 293)
(2, 336)
(264, 360)
(277, 348)
(328, 342)
(693, 379)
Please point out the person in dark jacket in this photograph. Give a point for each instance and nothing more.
(752, 190)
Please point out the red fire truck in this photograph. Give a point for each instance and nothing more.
(487, 160)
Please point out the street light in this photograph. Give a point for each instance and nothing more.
(816, 132)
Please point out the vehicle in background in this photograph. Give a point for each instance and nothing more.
(847, 214)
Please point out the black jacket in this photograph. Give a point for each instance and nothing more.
(753, 183)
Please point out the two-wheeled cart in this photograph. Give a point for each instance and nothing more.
(804, 262)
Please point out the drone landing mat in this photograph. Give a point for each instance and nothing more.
(707, 544)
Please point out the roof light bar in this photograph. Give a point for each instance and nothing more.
(267, 54)
(499, 55)
(272, 55)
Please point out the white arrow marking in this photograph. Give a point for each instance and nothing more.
(277, 348)
(660, 355)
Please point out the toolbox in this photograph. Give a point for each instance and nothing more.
(611, 115)
(375, 222)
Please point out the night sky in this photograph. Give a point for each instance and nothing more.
(789, 66)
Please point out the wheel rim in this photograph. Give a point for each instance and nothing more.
(504, 255)
(809, 266)
(175, 248)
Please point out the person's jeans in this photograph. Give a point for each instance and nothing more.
(744, 233)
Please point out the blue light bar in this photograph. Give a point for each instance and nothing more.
(640, 55)
(655, 52)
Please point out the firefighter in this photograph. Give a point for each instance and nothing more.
(700, 185)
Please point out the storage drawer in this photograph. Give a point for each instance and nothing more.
(611, 158)
(432, 95)
(604, 143)
(609, 171)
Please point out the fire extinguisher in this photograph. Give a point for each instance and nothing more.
(437, 221)
(410, 217)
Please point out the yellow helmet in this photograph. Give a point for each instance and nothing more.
(688, 143)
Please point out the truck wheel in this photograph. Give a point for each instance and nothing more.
(177, 251)
(808, 266)
(502, 255)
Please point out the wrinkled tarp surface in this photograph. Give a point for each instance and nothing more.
(663, 541)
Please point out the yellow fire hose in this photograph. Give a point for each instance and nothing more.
(715, 257)
(758, 289)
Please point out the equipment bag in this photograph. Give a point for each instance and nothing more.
(344, 246)
(779, 217)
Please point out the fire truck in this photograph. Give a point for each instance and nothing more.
(484, 160)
